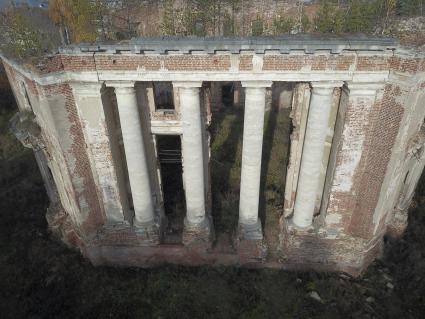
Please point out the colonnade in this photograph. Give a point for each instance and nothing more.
(193, 158)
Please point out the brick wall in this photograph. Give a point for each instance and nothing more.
(245, 63)
(208, 62)
(407, 65)
(372, 63)
(384, 124)
(169, 62)
(127, 62)
(78, 163)
(50, 64)
(316, 62)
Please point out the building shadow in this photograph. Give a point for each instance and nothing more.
(268, 137)
(225, 167)
(275, 156)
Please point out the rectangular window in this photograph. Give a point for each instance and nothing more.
(27, 101)
(163, 93)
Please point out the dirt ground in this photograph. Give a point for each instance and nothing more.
(39, 278)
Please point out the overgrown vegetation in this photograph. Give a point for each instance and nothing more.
(356, 16)
(22, 34)
(26, 32)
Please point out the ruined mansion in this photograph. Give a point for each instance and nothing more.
(112, 126)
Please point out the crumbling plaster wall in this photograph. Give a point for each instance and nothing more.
(40, 105)
(65, 148)
(91, 112)
(408, 92)
(146, 103)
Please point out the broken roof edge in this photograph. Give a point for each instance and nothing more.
(285, 43)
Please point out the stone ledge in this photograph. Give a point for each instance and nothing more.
(308, 43)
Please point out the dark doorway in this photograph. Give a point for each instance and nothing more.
(227, 94)
(169, 156)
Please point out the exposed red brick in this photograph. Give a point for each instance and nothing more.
(385, 121)
(197, 63)
(127, 62)
(373, 63)
(317, 62)
(245, 63)
(82, 168)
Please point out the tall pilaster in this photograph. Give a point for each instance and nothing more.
(255, 101)
(360, 184)
(88, 98)
(197, 224)
(137, 164)
(313, 150)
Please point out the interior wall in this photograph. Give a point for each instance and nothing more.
(119, 153)
(299, 114)
(113, 129)
(144, 107)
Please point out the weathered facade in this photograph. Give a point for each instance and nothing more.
(92, 114)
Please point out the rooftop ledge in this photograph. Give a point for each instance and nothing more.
(309, 43)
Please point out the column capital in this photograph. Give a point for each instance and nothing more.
(363, 88)
(87, 88)
(326, 84)
(256, 84)
(187, 84)
(325, 87)
(121, 87)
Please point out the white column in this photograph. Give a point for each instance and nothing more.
(313, 150)
(192, 151)
(135, 153)
(255, 101)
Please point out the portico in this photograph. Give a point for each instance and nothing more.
(103, 110)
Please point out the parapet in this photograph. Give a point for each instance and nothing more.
(284, 44)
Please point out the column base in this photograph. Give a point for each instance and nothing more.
(149, 233)
(250, 244)
(198, 236)
(294, 227)
(250, 232)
